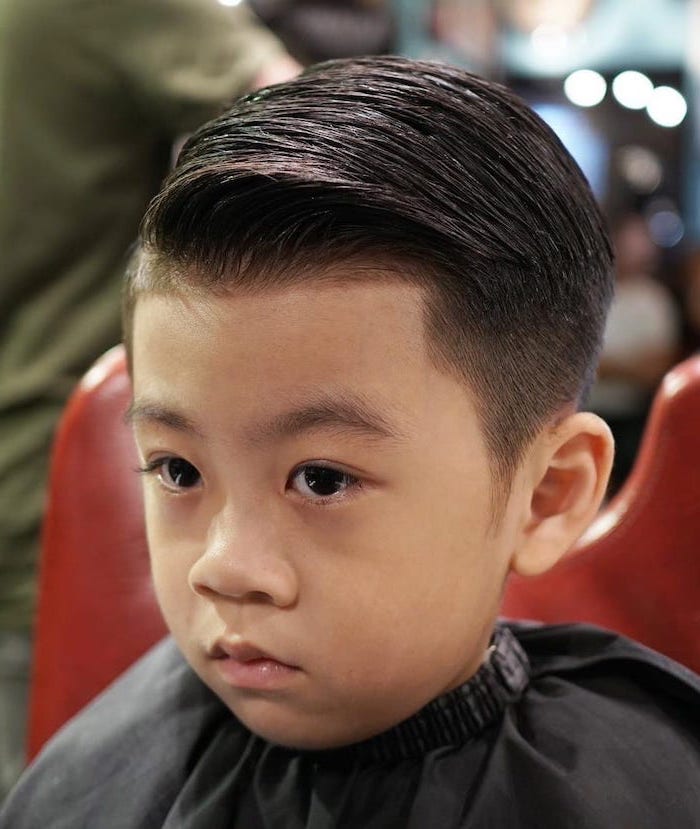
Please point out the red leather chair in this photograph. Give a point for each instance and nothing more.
(97, 612)
(637, 570)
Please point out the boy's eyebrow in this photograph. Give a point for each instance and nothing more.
(146, 410)
(344, 413)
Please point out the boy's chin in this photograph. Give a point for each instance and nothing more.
(305, 732)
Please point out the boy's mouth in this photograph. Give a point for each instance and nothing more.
(239, 650)
(245, 666)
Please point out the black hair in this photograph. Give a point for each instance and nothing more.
(444, 178)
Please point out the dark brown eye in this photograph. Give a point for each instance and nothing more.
(315, 481)
(179, 473)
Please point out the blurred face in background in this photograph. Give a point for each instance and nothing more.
(635, 251)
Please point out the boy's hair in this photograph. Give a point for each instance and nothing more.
(411, 171)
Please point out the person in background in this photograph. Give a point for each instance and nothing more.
(92, 97)
(642, 342)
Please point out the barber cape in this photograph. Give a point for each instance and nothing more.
(563, 726)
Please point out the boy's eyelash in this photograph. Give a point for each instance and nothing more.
(150, 466)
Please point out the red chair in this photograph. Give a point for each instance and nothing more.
(97, 612)
(637, 570)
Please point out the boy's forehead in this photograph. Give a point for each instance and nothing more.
(363, 342)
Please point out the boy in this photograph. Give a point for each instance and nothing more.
(367, 306)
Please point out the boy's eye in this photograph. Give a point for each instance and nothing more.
(180, 473)
(321, 482)
(175, 473)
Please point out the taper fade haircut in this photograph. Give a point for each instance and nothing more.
(413, 171)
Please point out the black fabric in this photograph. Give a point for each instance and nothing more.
(563, 726)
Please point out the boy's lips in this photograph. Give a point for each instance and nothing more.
(244, 665)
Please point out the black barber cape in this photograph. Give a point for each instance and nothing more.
(563, 726)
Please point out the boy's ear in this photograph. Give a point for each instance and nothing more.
(569, 470)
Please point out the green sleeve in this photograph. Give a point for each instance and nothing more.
(182, 60)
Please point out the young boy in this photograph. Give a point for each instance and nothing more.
(367, 306)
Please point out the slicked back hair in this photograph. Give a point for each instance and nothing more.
(438, 176)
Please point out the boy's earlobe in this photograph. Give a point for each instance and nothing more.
(571, 467)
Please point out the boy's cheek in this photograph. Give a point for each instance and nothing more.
(171, 552)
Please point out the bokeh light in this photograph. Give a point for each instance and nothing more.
(585, 88)
(640, 167)
(667, 107)
(632, 89)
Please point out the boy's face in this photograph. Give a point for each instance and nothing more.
(318, 505)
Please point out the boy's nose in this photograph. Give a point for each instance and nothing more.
(243, 561)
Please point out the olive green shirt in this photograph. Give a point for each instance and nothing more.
(93, 94)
